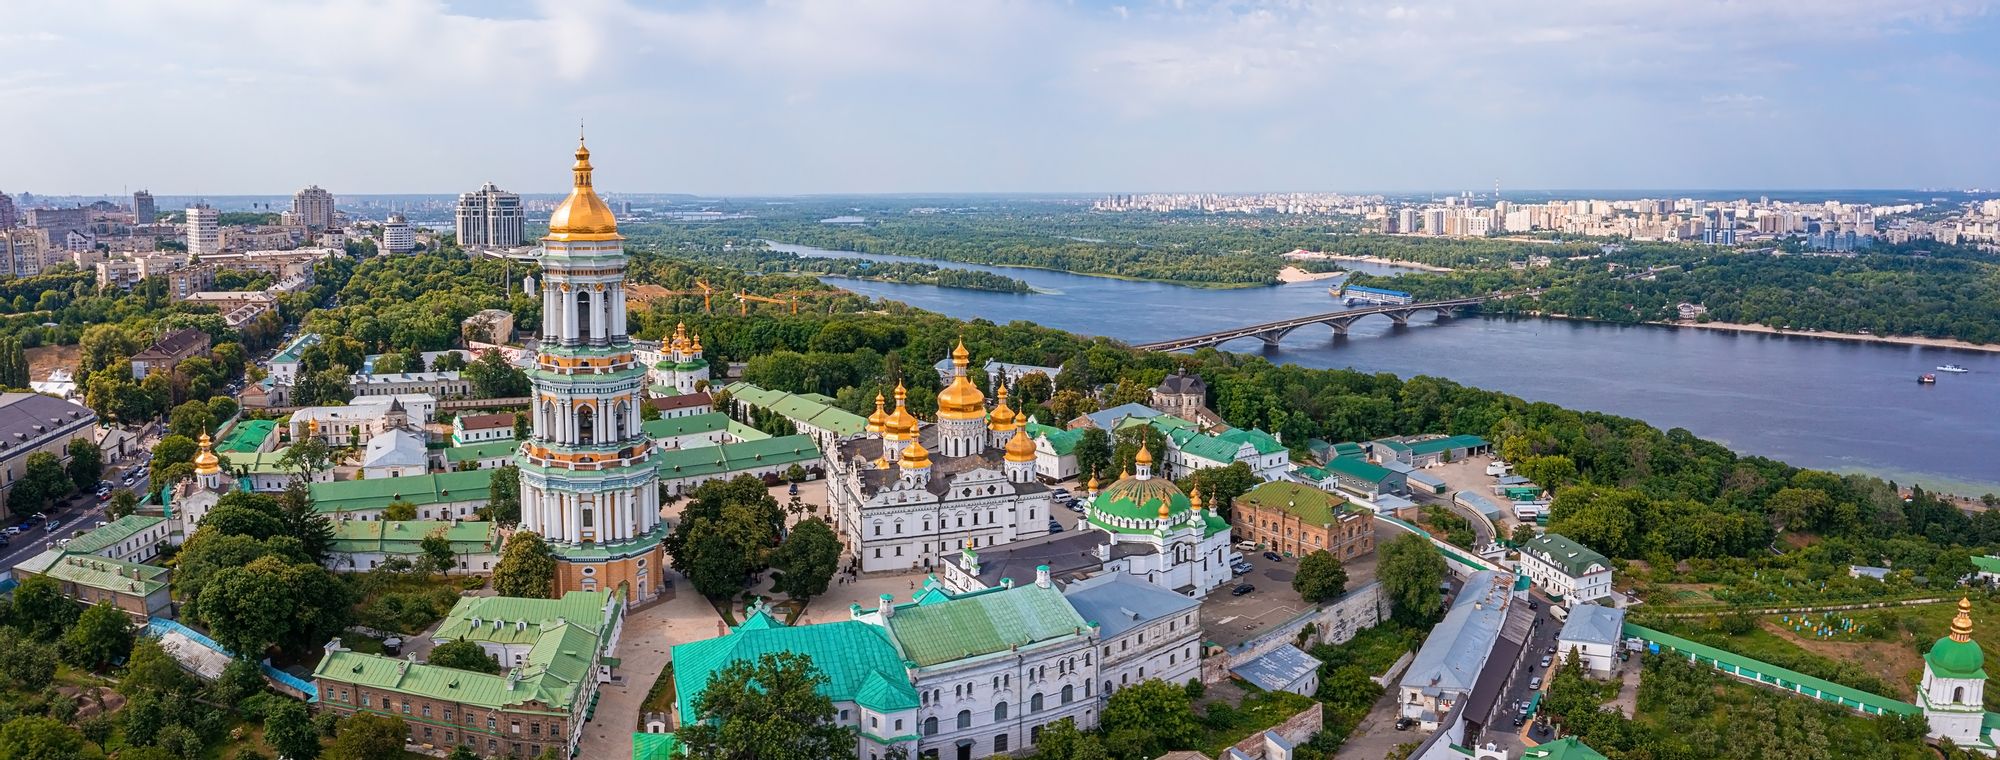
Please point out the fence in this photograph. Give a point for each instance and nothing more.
(1766, 674)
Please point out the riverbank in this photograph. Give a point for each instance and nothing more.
(1316, 255)
(1899, 340)
(1290, 274)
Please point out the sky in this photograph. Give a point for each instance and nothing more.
(904, 96)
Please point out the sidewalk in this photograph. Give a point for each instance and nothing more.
(643, 653)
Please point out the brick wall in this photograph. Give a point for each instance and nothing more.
(1296, 729)
(1332, 624)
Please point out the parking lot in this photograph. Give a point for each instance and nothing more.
(1230, 620)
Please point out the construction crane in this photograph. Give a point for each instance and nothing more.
(792, 297)
(644, 293)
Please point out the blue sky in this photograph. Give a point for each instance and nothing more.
(804, 96)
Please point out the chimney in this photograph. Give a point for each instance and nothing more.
(888, 606)
(1042, 576)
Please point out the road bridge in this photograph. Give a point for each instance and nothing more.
(1272, 332)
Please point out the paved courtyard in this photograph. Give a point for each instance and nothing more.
(1229, 620)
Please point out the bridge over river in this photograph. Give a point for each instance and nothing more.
(1272, 332)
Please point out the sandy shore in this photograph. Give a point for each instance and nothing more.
(1366, 260)
(1903, 340)
(1294, 274)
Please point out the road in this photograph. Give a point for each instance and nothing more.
(79, 512)
(1540, 639)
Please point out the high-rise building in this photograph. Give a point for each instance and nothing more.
(20, 252)
(1406, 221)
(204, 229)
(313, 207)
(396, 235)
(143, 210)
(489, 218)
(7, 216)
(587, 483)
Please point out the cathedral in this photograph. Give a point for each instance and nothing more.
(588, 484)
(681, 366)
(906, 496)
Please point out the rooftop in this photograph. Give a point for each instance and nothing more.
(483, 421)
(1593, 624)
(247, 436)
(1119, 602)
(520, 620)
(406, 536)
(112, 533)
(101, 573)
(806, 409)
(1107, 419)
(1573, 558)
(376, 493)
(477, 451)
(939, 627)
(27, 417)
(1448, 443)
(1311, 505)
(1278, 668)
(860, 663)
(732, 457)
(695, 424)
(1458, 646)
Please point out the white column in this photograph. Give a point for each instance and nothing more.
(618, 308)
(596, 315)
(569, 314)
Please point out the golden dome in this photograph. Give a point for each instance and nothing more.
(915, 456)
(1195, 499)
(1145, 457)
(876, 420)
(206, 463)
(901, 425)
(680, 340)
(1961, 626)
(1020, 448)
(1165, 512)
(961, 400)
(583, 215)
(1093, 483)
(1003, 418)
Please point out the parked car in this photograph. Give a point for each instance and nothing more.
(1404, 724)
(53, 525)
(1545, 661)
(1061, 493)
(1240, 569)
(1273, 556)
(1055, 527)
(1533, 605)
(1246, 546)
(1535, 683)
(1242, 589)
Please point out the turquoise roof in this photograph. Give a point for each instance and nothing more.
(1062, 441)
(376, 493)
(939, 627)
(859, 661)
(477, 451)
(112, 533)
(1444, 444)
(734, 457)
(1957, 659)
(694, 424)
(655, 746)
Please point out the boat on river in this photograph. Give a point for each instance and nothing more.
(1927, 379)
(1953, 368)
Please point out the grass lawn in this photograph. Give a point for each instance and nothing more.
(659, 699)
(1885, 661)
(1223, 726)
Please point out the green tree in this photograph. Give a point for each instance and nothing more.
(307, 457)
(40, 610)
(27, 664)
(492, 377)
(1093, 456)
(102, 635)
(1320, 577)
(367, 736)
(527, 567)
(191, 419)
(13, 363)
(240, 680)
(462, 752)
(464, 655)
(1220, 486)
(438, 556)
(123, 502)
(724, 534)
(807, 560)
(172, 450)
(33, 737)
(42, 482)
(1411, 573)
(86, 463)
(301, 521)
(1062, 741)
(245, 514)
(769, 708)
(1523, 533)
(152, 671)
(1150, 719)
(269, 603)
(399, 510)
(503, 495)
(1550, 472)
(288, 729)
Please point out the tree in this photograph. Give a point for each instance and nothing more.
(503, 495)
(27, 664)
(40, 609)
(462, 752)
(527, 567)
(191, 419)
(153, 671)
(289, 730)
(1411, 573)
(43, 482)
(1035, 388)
(766, 709)
(102, 635)
(437, 554)
(493, 377)
(246, 608)
(1093, 455)
(313, 530)
(367, 736)
(245, 514)
(172, 450)
(33, 737)
(724, 534)
(1548, 471)
(464, 655)
(13, 364)
(1220, 486)
(240, 680)
(523, 427)
(399, 510)
(807, 560)
(1062, 741)
(123, 502)
(1320, 577)
(307, 457)
(86, 463)
(1150, 719)
(1523, 533)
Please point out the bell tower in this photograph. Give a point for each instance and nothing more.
(1953, 691)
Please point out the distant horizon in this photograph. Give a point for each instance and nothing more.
(1592, 193)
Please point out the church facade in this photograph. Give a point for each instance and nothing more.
(588, 484)
(908, 496)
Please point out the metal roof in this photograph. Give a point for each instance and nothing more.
(939, 628)
(1119, 602)
(1458, 646)
(1594, 624)
(1277, 669)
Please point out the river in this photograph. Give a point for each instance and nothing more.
(1841, 406)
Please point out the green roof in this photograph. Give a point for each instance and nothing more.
(1062, 441)
(497, 616)
(1987, 563)
(1208, 447)
(1558, 550)
(1851, 697)
(1348, 449)
(1443, 444)
(246, 436)
(858, 660)
(939, 627)
(101, 573)
(1956, 659)
(438, 488)
(1263, 442)
(1311, 505)
(655, 746)
(256, 463)
(668, 427)
(477, 451)
(1135, 499)
(99, 539)
(734, 457)
(1566, 748)
(742, 432)
(807, 409)
(1357, 469)
(552, 675)
(406, 536)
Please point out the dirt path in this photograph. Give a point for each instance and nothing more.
(1894, 662)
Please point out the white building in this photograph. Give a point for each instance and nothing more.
(1189, 450)
(681, 367)
(446, 384)
(1143, 631)
(1566, 569)
(490, 218)
(395, 453)
(481, 428)
(356, 423)
(1593, 633)
(899, 509)
(313, 207)
(204, 230)
(397, 237)
(1953, 691)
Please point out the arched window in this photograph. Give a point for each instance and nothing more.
(1958, 695)
(547, 424)
(965, 719)
(624, 411)
(586, 421)
(930, 726)
(582, 316)
(1000, 711)
(1068, 694)
(1035, 703)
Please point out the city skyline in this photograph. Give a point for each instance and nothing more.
(908, 98)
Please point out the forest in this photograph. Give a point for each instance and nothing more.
(752, 255)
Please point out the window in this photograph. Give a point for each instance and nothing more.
(1000, 711)
(1034, 734)
(965, 719)
(999, 742)
(930, 726)
(1068, 694)
(1035, 703)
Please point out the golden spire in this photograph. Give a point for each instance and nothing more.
(1020, 448)
(1195, 499)
(1164, 512)
(961, 400)
(915, 456)
(582, 216)
(901, 425)
(1145, 457)
(1003, 417)
(1093, 483)
(680, 341)
(1961, 626)
(876, 420)
(206, 463)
